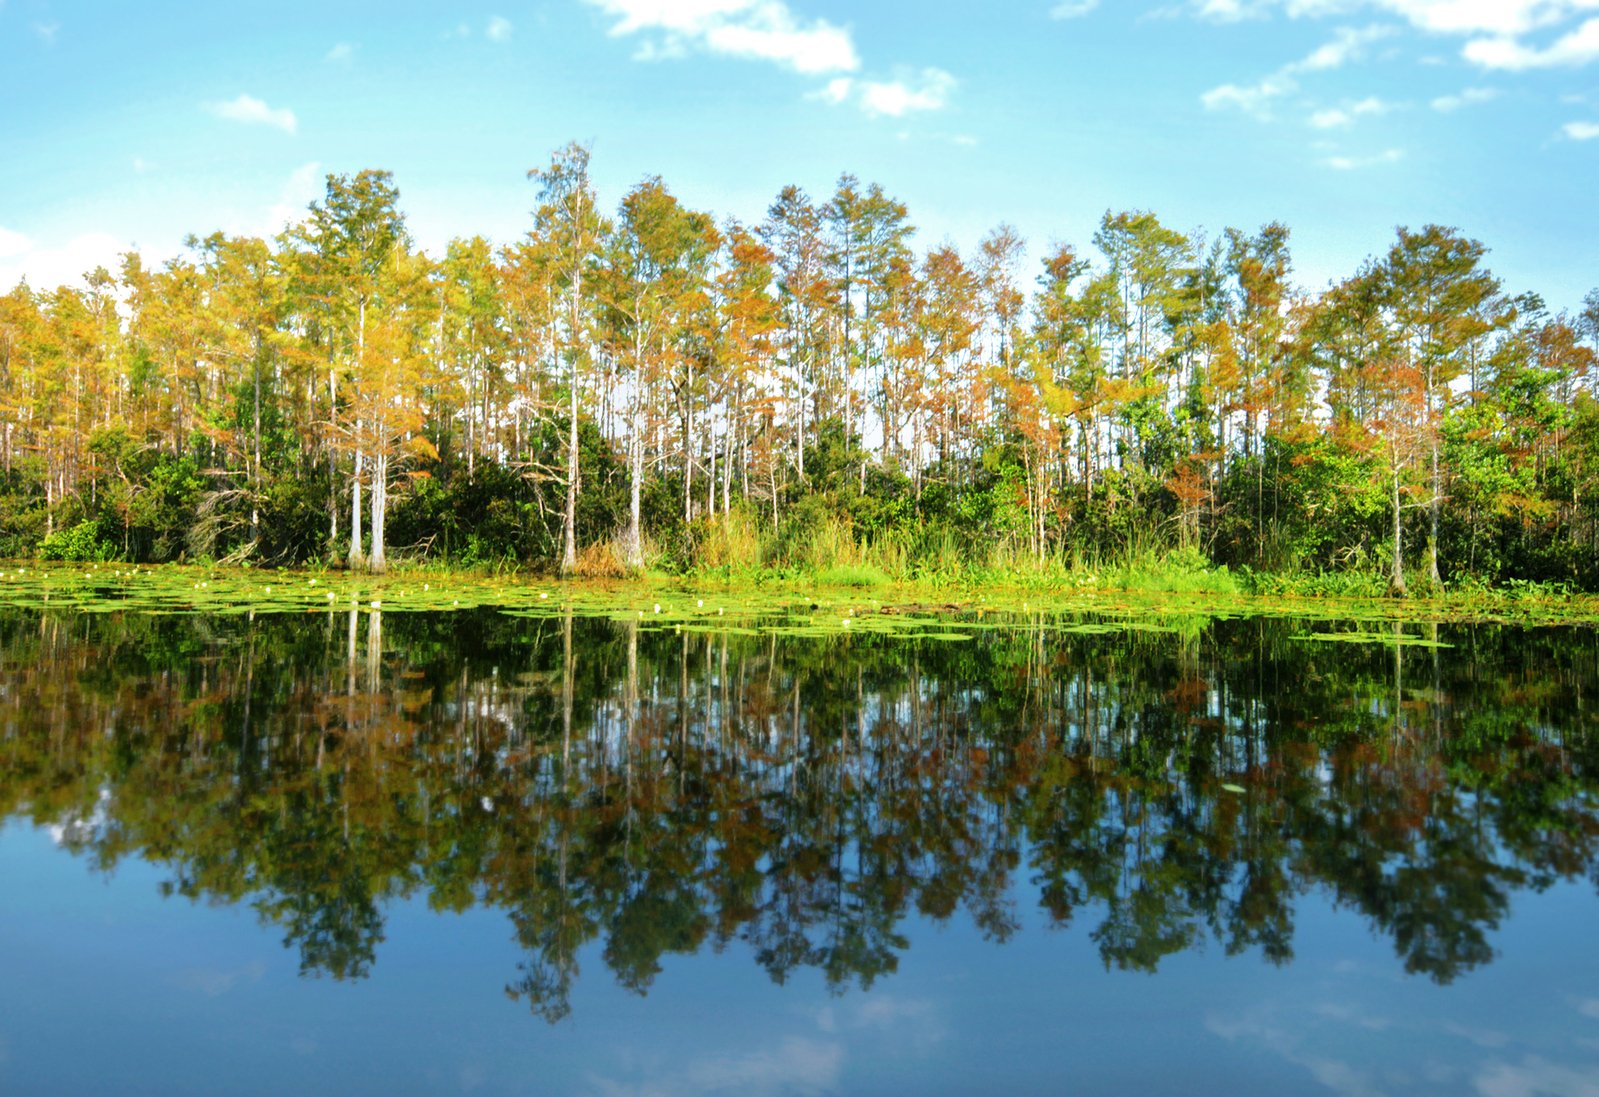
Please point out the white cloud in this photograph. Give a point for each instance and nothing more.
(927, 90)
(1356, 163)
(12, 243)
(1534, 1075)
(141, 166)
(1496, 17)
(253, 111)
(1577, 47)
(1224, 11)
(1072, 9)
(835, 91)
(47, 266)
(499, 29)
(795, 1065)
(1498, 29)
(1503, 17)
(304, 185)
(47, 32)
(1581, 131)
(215, 982)
(766, 30)
(1465, 98)
(1250, 98)
(341, 52)
(1339, 117)
(908, 93)
(1347, 44)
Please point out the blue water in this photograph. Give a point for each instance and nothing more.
(110, 985)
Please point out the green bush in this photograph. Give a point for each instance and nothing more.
(81, 543)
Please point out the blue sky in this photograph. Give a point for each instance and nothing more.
(135, 124)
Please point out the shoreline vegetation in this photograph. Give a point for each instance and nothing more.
(653, 389)
(840, 601)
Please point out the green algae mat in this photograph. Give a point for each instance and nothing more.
(786, 608)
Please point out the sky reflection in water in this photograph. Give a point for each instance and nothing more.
(468, 852)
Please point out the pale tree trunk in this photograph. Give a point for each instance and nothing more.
(355, 510)
(380, 507)
(635, 459)
(333, 490)
(1437, 492)
(710, 475)
(569, 516)
(635, 534)
(255, 462)
(688, 448)
(1396, 575)
(355, 479)
(799, 433)
(727, 470)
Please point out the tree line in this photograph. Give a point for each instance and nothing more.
(655, 386)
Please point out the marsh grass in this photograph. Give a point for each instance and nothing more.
(858, 596)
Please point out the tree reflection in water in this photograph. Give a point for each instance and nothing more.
(664, 792)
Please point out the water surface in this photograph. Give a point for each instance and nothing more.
(378, 852)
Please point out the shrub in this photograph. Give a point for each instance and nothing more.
(79, 544)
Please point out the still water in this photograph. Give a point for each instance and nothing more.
(479, 853)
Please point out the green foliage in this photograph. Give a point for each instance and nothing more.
(82, 543)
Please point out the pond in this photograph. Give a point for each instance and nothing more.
(474, 850)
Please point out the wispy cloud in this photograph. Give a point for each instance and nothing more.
(340, 53)
(909, 93)
(1464, 98)
(927, 90)
(497, 29)
(303, 186)
(1497, 29)
(215, 982)
(1508, 17)
(1533, 1075)
(47, 32)
(46, 266)
(252, 111)
(1357, 163)
(1225, 11)
(13, 243)
(764, 30)
(1347, 44)
(1340, 117)
(1581, 131)
(1250, 98)
(1493, 17)
(1072, 9)
(795, 1065)
(1578, 47)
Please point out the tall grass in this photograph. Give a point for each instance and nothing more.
(826, 549)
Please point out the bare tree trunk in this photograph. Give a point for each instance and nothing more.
(380, 506)
(255, 463)
(635, 533)
(1432, 544)
(355, 510)
(569, 515)
(1396, 575)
